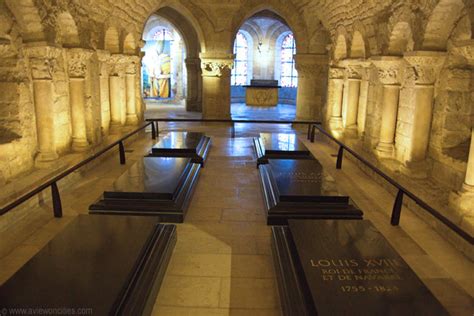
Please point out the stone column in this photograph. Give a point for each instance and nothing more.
(363, 98)
(388, 72)
(104, 57)
(131, 72)
(77, 68)
(117, 93)
(426, 67)
(216, 69)
(312, 74)
(42, 61)
(335, 87)
(194, 85)
(352, 102)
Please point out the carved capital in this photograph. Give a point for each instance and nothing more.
(336, 73)
(43, 60)
(311, 65)
(425, 65)
(77, 62)
(215, 64)
(389, 69)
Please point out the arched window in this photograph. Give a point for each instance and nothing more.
(289, 76)
(241, 51)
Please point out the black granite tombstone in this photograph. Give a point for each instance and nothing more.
(279, 146)
(156, 186)
(99, 265)
(300, 189)
(183, 144)
(338, 267)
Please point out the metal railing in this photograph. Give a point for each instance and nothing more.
(232, 121)
(397, 206)
(56, 198)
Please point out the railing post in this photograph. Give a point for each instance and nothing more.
(309, 132)
(397, 209)
(57, 207)
(340, 155)
(313, 133)
(122, 153)
(153, 130)
(233, 130)
(157, 128)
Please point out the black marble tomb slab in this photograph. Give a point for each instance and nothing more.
(155, 186)
(112, 265)
(183, 144)
(300, 189)
(337, 267)
(279, 146)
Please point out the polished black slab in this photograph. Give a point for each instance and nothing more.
(183, 144)
(348, 268)
(158, 186)
(279, 146)
(112, 265)
(300, 188)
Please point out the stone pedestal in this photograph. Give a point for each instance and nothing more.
(216, 69)
(389, 75)
(312, 74)
(42, 60)
(426, 66)
(77, 69)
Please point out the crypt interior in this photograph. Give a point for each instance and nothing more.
(391, 80)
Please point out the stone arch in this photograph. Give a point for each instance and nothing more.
(190, 33)
(358, 46)
(28, 18)
(441, 24)
(129, 44)
(66, 30)
(340, 45)
(401, 39)
(283, 10)
(111, 40)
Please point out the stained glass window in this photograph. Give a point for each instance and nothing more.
(162, 35)
(241, 51)
(289, 76)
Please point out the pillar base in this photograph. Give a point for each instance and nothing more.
(351, 131)
(415, 170)
(463, 200)
(80, 145)
(46, 160)
(335, 123)
(384, 150)
(132, 119)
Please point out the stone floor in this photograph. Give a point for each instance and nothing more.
(239, 111)
(222, 261)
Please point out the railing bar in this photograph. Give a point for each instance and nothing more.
(68, 171)
(405, 191)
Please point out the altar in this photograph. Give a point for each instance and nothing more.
(262, 93)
